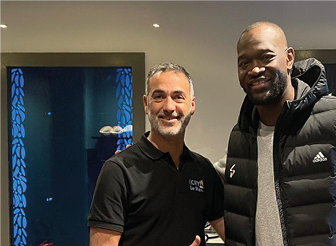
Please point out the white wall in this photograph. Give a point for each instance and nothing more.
(199, 35)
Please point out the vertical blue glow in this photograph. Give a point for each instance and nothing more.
(18, 158)
(124, 95)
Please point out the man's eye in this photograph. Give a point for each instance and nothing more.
(157, 97)
(179, 97)
(267, 58)
(243, 64)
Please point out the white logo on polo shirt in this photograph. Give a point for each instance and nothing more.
(196, 185)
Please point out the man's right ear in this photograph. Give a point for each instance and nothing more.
(145, 103)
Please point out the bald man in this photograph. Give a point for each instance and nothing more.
(279, 180)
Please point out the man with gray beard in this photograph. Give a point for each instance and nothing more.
(158, 192)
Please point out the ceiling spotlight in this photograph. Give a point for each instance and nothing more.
(3, 26)
(156, 25)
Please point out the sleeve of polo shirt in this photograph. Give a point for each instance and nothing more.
(109, 199)
(217, 204)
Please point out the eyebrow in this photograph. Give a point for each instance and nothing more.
(162, 91)
(157, 91)
(179, 92)
(259, 52)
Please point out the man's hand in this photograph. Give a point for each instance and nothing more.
(196, 242)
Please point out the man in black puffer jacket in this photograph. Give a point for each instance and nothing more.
(280, 179)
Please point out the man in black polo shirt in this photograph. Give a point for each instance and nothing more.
(157, 192)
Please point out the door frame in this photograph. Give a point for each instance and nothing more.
(135, 60)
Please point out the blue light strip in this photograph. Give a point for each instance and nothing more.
(124, 96)
(18, 155)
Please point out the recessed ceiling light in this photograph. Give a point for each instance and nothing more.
(3, 26)
(156, 25)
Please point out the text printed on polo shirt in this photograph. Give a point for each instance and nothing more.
(196, 185)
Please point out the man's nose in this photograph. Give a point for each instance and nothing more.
(169, 105)
(256, 68)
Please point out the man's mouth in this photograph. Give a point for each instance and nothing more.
(258, 82)
(168, 118)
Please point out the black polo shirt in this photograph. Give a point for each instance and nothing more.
(141, 193)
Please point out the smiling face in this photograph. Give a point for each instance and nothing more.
(169, 104)
(264, 63)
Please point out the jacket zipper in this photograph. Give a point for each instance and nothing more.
(277, 163)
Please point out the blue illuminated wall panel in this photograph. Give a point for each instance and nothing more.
(124, 96)
(18, 115)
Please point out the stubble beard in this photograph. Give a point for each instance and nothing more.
(274, 94)
(166, 130)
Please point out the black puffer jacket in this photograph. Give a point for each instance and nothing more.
(304, 165)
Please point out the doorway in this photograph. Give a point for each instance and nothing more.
(54, 145)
